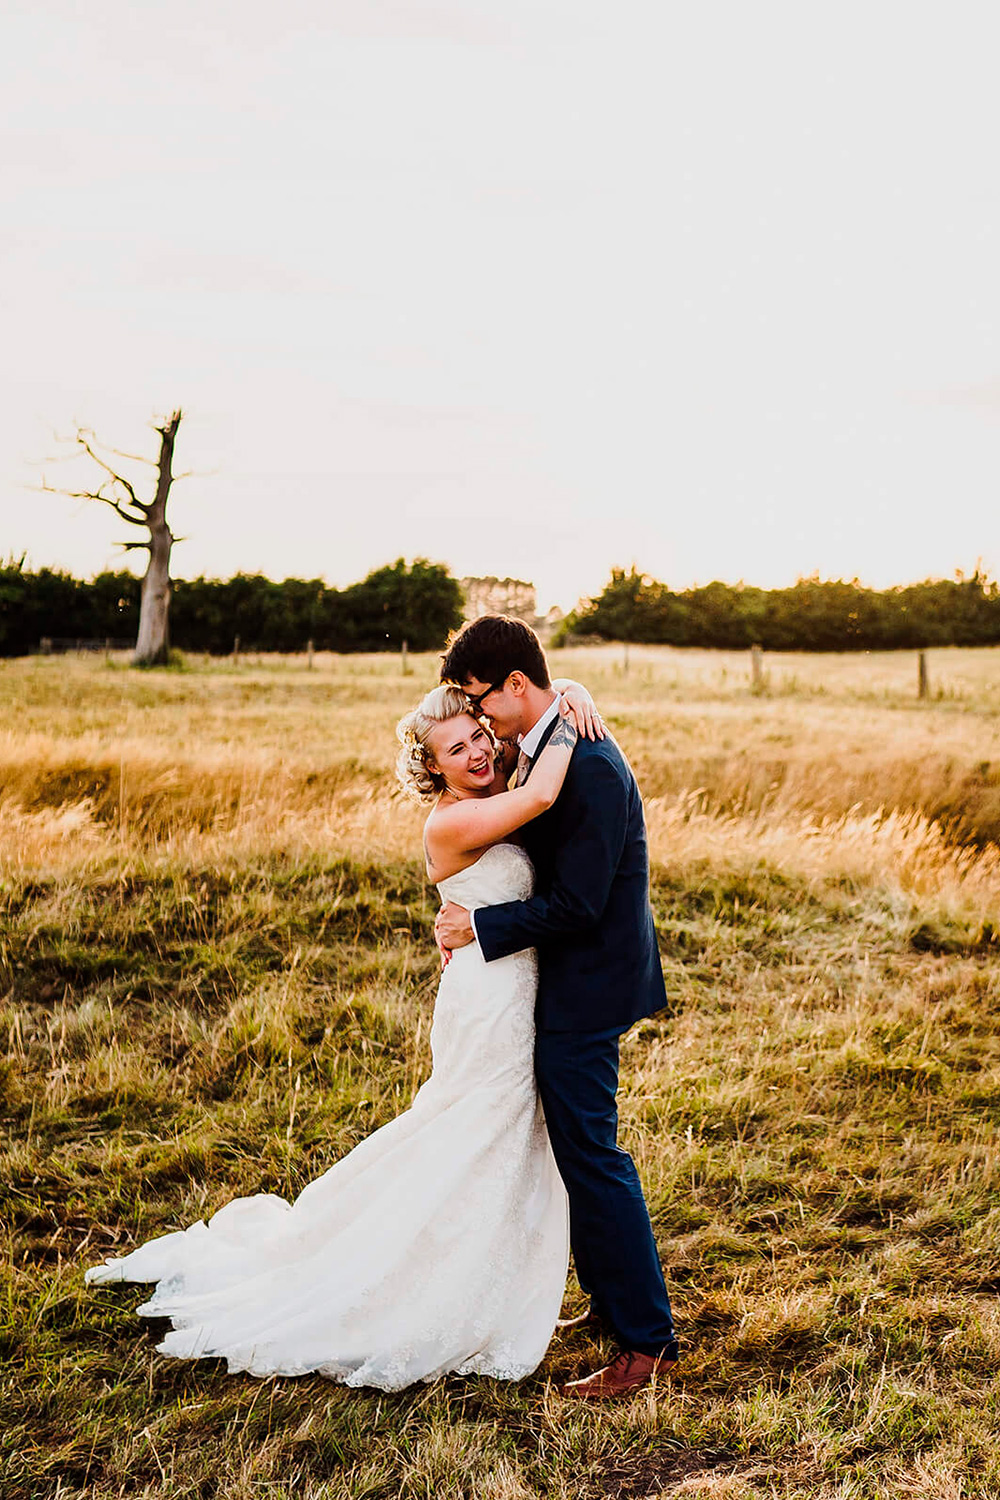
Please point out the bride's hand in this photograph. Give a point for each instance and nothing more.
(577, 705)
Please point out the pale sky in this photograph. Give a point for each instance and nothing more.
(530, 287)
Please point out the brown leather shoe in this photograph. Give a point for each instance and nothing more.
(588, 1322)
(629, 1371)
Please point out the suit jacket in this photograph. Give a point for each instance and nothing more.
(598, 960)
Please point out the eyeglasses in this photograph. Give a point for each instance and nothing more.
(476, 699)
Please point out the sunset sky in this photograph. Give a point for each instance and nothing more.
(530, 287)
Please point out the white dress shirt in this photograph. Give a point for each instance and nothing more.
(529, 742)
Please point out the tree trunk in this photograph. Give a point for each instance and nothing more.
(152, 648)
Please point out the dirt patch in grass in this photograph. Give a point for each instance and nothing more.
(677, 1471)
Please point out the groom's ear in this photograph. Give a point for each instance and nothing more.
(517, 682)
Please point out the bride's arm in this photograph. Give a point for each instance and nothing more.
(578, 702)
(477, 821)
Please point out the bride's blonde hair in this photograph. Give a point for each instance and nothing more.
(413, 732)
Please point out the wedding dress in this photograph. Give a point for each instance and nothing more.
(438, 1245)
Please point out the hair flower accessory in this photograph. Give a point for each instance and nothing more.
(413, 744)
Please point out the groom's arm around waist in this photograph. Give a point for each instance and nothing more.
(590, 833)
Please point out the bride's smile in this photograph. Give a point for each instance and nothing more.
(461, 751)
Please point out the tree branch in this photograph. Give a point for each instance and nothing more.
(136, 458)
(133, 499)
(116, 505)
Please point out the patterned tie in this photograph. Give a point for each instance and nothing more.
(523, 767)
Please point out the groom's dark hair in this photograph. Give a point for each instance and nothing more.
(492, 647)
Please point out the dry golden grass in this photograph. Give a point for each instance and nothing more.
(276, 756)
(216, 976)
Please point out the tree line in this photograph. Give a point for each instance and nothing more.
(418, 603)
(812, 615)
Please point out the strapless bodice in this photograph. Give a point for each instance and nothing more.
(503, 872)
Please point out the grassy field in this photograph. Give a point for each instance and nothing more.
(216, 975)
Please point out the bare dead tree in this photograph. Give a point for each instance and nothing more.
(152, 647)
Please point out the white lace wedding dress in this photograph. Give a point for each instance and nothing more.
(438, 1245)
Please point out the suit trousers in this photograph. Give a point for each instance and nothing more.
(610, 1233)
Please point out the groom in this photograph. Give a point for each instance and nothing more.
(598, 972)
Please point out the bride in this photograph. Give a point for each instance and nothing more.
(440, 1243)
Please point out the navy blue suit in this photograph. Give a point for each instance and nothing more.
(598, 972)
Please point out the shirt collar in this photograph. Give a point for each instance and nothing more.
(529, 742)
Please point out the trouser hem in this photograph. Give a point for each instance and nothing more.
(669, 1354)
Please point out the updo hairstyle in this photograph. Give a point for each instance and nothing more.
(413, 732)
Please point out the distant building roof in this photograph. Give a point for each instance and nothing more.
(499, 596)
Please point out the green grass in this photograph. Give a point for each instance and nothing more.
(190, 1012)
(816, 1124)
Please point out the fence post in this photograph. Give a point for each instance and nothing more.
(45, 645)
(922, 685)
(625, 665)
(756, 669)
(309, 653)
(403, 653)
(236, 648)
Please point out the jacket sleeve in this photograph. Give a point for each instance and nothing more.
(593, 820)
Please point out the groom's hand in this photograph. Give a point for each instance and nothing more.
(452, 929)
